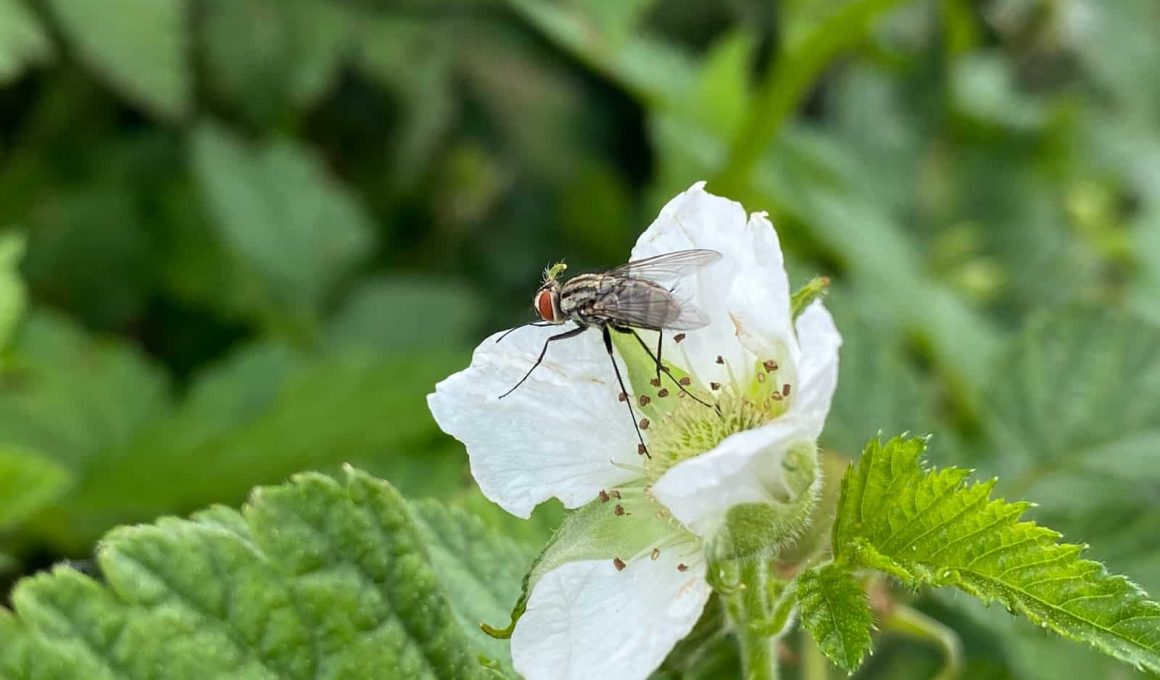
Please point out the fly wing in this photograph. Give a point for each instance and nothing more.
(669, 266)
(644, 304)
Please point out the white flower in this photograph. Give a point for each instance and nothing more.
(564, 433)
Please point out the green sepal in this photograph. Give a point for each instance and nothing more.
(760, 530)
(802, 297)
(624, 523)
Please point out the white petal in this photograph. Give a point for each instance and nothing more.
(557, 435)
(588, 620)
(745, 295)
(745, 468)
(818, 367)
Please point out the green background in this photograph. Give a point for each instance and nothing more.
(255, 233)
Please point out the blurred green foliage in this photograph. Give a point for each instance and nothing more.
(243, 238)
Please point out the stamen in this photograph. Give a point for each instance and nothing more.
(656, 553)
(678, 337)
(644, 423)
(682, 567)
(655, 382)
(760, 377)
(714, 386)
(685, 382)
(770, 365)
(643, 400)
(603, 496)
(622, 397)
(618, 510)
(785, 390)
(620, 565)
(720, 359)
(641, 450)
(663, 393)
(615, 494)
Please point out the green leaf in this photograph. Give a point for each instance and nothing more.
(933, 528)
(270, 57)
(138, 46)
(23, 41)
(12, 294)
(277, 210)
(480, 572)
(28, 482)
(256, 418)
(70, 396)
(1072, 410)
(398, 314)
(834, 610)
(313, 578)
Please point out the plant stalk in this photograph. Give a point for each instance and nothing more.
(746, 598)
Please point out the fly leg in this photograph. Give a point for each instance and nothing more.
(537, 324)
(661, 367)
(627, 398)
(560, 336)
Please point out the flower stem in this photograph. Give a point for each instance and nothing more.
(747, 602)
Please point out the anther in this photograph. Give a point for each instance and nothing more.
(776, 396)
(714, 386)
(655, 382)
(644, 400)
(656, 553)
(785, 390)
(644, 423)
(603, 496)
(664, 392)
(720, 359)
(620, 565)
(678, 337)
(682, 567)
(615, 494)
(685, 381)
(770, 365)
(760, 377)
(622, 397)
(641, 450)
(618, 510)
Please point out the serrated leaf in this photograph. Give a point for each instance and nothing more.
(27, 483)
(23, 41)
(138, 46)
(834, 610)
(933, 528)
(12, 293)
(277, 210)
(313, 578)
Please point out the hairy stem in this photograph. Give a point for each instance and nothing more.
(746, 598)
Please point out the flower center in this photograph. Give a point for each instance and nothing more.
(689, 428)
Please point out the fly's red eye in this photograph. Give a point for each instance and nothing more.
(544, 305)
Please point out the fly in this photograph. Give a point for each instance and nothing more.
(639, 295)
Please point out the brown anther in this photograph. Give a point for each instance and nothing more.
(770, 365)
(644, 423)
(682, 567)
(776, 396)
(685, 381)
(655, 554)
(714, 386)
(785, 390)
(720, 359)
(663, 393)
(622, 397)
(641, 450)
(603, 496)
(615, 494)
(618, 510)
(643, 400)
(678, 337)
(620, 565)
(655, 382)
(760, 377)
